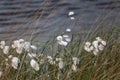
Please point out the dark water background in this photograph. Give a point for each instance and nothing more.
(41, 18)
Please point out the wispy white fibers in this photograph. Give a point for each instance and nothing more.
(33, 47)
(34, 65)
(71, 13)
(50, 60)
(15, 61)
(31, 55)
(88, 47)
(60, 41)
(75, 60)
(68, 30)
(2, 44)
(61, 64)
(6, 50)
(74, 67)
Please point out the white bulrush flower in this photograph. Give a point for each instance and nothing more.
(1, 73)
(34, 65)
(75, 60)
(61, 64)
(15, 61)
(2, 44)
(6, 49)
(74, 67)
(71, 13)
(68, 30)
(33, 47)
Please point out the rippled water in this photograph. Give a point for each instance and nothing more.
(41, 18)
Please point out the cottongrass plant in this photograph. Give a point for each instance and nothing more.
(91, 58)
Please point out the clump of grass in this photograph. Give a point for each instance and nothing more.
(64, 62)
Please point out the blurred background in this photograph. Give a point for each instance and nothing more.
(42, 18)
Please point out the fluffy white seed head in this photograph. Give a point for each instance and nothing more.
(59, 38)
(34, 65)
(63, 43)
(61, 64)
(95, 51)
(75, 60)
(2, 44)
(74, 67)
(71, 13)
(72, 18)
(6, 50)
(68, 30)
(15, 61)
(103, 43)
(101, 47)
(95, 44)
(33, 47)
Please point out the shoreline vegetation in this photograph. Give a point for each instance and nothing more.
(68, 56)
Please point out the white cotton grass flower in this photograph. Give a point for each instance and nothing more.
(63, 43)
(27, 46)
(59, 38)
(21, 40)
(65, 36)
(74, 67)
(15, 44)
(1, 73)
(60, 41)
(50, 60)
(10, 56)
(75, 60)
(72, 18)
(101, 41)
(19, 49)
(15, 61)
(34, 65)
(33, 47)
(31, 55)
(95, 51)
(95, 44)
(6, 49)
(71, 13)
(2, 44)
(88, 47)
(61, 64)
(68, 30)
(101, 47)
(67, 39)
